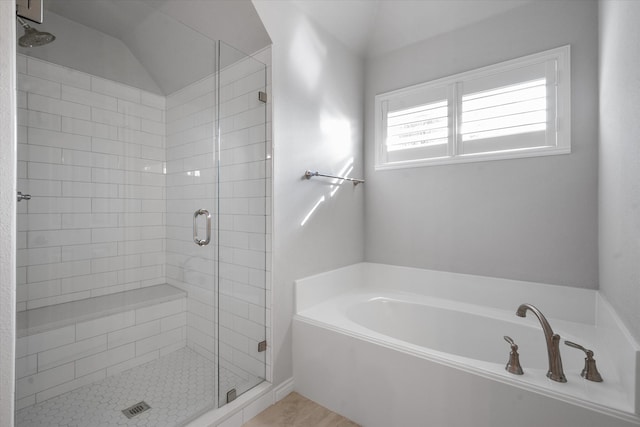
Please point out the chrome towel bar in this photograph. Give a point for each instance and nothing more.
(308, 174)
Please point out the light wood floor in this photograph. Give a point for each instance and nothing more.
(298, 411)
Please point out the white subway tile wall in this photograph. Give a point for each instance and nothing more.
(190, 186)
(116, 174)
(89, 163)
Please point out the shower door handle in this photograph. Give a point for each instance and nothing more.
(207, 239)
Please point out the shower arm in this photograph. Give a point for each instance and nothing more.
(22, 22)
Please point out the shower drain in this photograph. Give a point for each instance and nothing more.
(136, 409)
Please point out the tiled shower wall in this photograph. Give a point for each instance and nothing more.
(244, 212)
(91, 154)
(191, 186)
(107, 190)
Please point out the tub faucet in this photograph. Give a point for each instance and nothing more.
(553, 343)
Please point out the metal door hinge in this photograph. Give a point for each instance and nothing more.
(262, 346)
(231, 395)
(262, 96)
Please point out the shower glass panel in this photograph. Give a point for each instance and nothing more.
(128, 144)
(241, 222)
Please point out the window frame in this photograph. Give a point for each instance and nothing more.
(561, 123)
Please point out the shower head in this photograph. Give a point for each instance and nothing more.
(33, 37)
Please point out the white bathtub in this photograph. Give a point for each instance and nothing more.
(395, 346)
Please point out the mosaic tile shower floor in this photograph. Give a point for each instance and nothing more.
(176, 386)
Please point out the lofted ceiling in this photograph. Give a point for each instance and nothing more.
(233, 21)
(170, 39)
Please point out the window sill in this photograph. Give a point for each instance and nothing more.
(480, 157)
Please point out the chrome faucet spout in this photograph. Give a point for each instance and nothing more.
(555, 371)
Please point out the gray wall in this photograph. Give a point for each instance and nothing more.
(529, 219)
(8, 150)
(620, 159)
(317, 124)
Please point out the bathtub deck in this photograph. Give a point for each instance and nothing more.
(176, 386)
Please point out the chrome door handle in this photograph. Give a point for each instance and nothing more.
(22, 197)
(207, 239)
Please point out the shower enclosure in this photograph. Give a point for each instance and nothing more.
(143, 248)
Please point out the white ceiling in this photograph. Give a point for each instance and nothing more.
(234, 21)
(164, 34)
(375, 27)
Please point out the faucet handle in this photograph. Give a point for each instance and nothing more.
(513, 365)
(589, 372)
(510, 341)
(578, 346)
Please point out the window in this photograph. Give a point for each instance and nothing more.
(518, 108)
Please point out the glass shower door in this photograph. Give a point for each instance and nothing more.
(116, 300)
(142, 253)
(243, 182)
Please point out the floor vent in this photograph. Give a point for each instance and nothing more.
(136, 409)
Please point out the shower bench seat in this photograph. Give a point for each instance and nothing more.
(65, 346)
(55, 316)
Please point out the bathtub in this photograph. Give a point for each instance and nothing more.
(396, 346)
